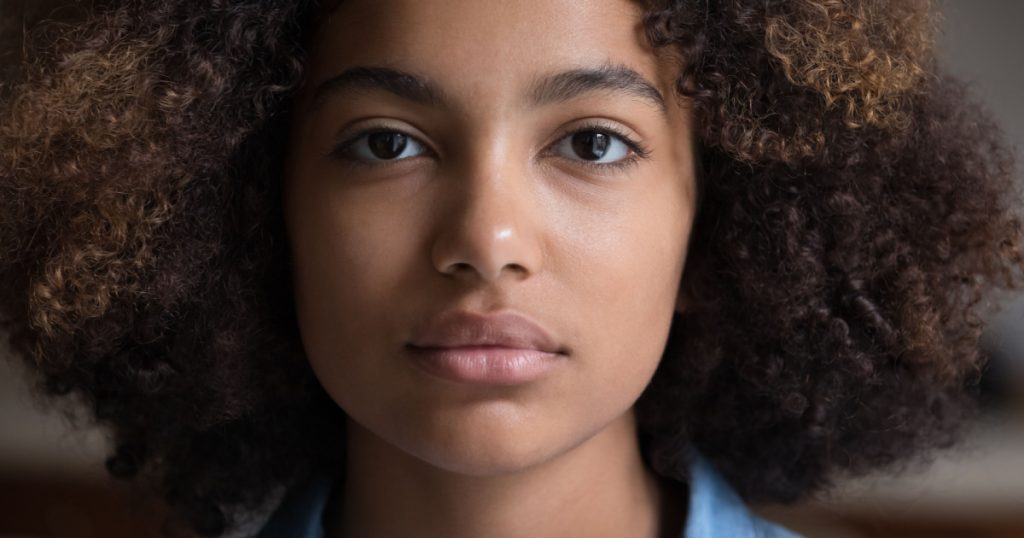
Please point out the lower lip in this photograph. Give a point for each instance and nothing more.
(486, 365)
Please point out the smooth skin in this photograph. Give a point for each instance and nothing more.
(471, 191)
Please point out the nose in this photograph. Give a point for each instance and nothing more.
(489, 227)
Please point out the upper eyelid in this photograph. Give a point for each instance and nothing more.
(598, 124)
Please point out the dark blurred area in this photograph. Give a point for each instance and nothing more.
(53, 483)
(1002, 381)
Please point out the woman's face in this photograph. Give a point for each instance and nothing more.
(482, 157)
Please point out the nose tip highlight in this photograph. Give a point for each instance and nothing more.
(486, 238)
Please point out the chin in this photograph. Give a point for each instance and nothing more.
(487, 451)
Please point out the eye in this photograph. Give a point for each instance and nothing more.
(382, 145)
(594, 146)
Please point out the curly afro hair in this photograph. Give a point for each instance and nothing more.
(855, 213)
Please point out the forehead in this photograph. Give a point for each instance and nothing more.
(503, 43)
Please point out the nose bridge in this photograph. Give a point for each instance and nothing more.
(489, 224)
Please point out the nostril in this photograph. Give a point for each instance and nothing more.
(460, 267)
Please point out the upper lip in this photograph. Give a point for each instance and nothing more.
(461, 328)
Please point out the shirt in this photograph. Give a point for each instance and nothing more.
(715, 510)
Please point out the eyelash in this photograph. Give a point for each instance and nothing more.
(638, 151)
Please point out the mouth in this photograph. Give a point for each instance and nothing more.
(486, 365)
(496, 349)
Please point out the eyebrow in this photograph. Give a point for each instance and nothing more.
(567, 85)
(405, 85)
(551, 89)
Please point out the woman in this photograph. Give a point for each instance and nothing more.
(466, 268)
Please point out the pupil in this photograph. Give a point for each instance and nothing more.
(590, 145)
(387, 145)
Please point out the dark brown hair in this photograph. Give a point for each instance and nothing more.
(855, 213)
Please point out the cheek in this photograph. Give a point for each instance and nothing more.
(628, 270)
(348, 267)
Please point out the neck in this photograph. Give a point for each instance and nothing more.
(600, 488)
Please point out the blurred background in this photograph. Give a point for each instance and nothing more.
(977, 489)
(53, 482)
